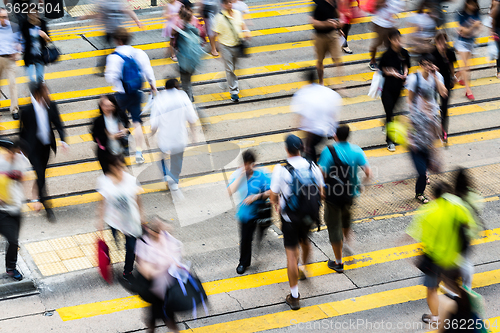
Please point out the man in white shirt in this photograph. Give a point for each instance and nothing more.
(169, 119)
(295, 229)
(129, 100)
(383, 21)
(10, 46)
(318, 108)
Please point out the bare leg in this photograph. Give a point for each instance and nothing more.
(465, 56)
(337, 250)
(433, 300)
(213, 50)
(138, 136)
(306, 251)
(321, 69)
(292, 256)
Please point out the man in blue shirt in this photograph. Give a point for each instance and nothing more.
(250, 187)
(10, 47)
(337, 204)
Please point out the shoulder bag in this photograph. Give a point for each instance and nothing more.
(242, 44)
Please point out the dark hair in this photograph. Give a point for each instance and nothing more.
(393, 33)
(114, 160)
(311, 76)
(185, 14)
(462, 183)
(225, 2)
(248, 156)
(122, 35)
(36, 88)
(113, 101)
(171, 84)
(343, 132)
(441, 188)
(471, 1)
(441, 35)
(427, 57)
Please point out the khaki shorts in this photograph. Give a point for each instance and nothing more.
(382, 37)
(328, 43)
(337, 218)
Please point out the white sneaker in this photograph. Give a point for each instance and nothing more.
(391, 147)
(139, 159)
(172, 185)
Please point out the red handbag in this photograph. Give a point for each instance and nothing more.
(104, 261)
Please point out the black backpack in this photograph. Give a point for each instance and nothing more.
(339, 189)
(303, 204)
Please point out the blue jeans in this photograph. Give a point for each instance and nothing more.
(421, 161)
(36, 72)
(175, 166)
(131, 103)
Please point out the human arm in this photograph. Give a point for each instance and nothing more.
(335, 24)
(140, 206)
(147, 70)
(101, 209)
(438, 79)
(56, 120)
(246, 32)
(233, 187)
(134, 17)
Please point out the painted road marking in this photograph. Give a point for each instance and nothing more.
(280, 319)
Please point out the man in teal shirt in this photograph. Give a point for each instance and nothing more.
(337, 211)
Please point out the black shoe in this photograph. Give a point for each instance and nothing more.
(339, 268)
(128, 282)
(14, 273)
(235, 98)
(50, 215)
(15, 115)
(241, 269)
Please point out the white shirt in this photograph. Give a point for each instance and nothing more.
(114, 66)
(428, 95)
(319, 108)
(384, 17)
(169, 115)
(426, 26)
(282, 179)
(42, 120)
(121, 210)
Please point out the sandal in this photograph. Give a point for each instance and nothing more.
(420, 197)
(427, 318)
(427, 179)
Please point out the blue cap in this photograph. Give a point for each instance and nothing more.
(293, 143)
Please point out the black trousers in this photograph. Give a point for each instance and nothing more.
(246, 237)
(9, 228)
(345, 31)
(39, 159)
(390, 98)
(312, 141)
(444, 111)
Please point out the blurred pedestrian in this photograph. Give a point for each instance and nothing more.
(13, 167)
(229, 26)
(171, 14)
(437, 228)
(111, 13)
(110, 131)
(318, 108)
(243, 8)
(382, 22)
(340, 164)
(445, 62)
(470, 24)
(169, 119)
(208, 10)
(121, 209)
(127, 68)
(157, 253)
(326, 24)
(10, 47)
(423, 89)
(36, 37)
(422, 39)
(251, 187)
(294, 189)
(495, 27)
(349, 10)
(189, 50)
(395, 64)
(36, 130)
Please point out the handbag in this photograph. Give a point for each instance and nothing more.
(377, 85)
(264, 214)
(242, 44)
(104, 260)
(185, 295)
(50, 54)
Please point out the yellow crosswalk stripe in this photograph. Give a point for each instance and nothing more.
(280, 319)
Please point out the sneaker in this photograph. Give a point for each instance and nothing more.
(172, 184)
(428, 319)
(139, 159)
(14, 273)
(347, 50)
(302, 275)
(293, 302)
(339, 268)
(373, 66)
(235, 98)
(391, 147)
(15, 114)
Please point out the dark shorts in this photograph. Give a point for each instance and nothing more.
(336, 219)
(294, 233)
(132, 104)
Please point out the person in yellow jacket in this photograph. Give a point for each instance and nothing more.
(444, 227)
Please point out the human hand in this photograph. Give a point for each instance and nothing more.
(141, 25)
(247, 35)
(250, 199)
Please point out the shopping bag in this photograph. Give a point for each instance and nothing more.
(377, 85)
(492, 49)
(104, 261)
(149, 105)
(5, 183)
(397, 131)
(185, 293)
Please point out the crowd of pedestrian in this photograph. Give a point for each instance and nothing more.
(297, 188)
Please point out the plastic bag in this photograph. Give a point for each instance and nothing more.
(151, 104)
(492, 49)
(377, 85)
